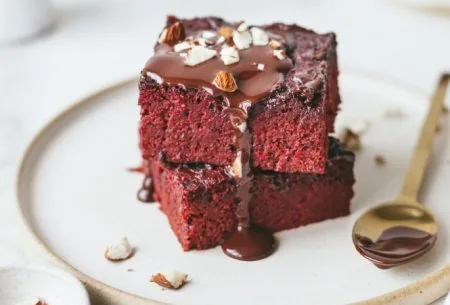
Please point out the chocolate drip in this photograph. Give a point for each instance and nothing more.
(395, 246)
(145, 193)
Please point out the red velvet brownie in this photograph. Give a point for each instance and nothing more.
(199, 199)
(210, 81)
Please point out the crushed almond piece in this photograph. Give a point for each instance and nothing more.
(280, 54)
(259, 37)
(394, 113)
(274, 44)
(350, 140)
(120, 251)
(220, 40)
(33, 301)
(236, 168)
(242, 40)
(172, 34)
(380, 160)
(198, 54)
(209, 34)
(229, 55)
(225, 81)
(185, 45)
(173, 280)
(225, 31)
(359, 126)
(242, 27)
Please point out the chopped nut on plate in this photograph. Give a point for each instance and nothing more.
(358, 126)
(380, 160)
(33, 301)
(394, 113)
(225, 81)
(172, 280)
(350, 140)
(120, 251)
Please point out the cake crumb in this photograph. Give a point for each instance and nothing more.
(172, 280)
(350, 140)
(394, 113)
(120, 251)
(380, 160)
(359, 126)
(33, 301)
(130, 270)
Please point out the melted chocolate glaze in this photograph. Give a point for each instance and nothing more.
(168, 66)
(395, 246)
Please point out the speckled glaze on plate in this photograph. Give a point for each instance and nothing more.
(76, 197)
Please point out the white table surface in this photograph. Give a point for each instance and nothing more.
(98, 42)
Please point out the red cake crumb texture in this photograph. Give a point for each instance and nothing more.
(287, 96)
(199, 199)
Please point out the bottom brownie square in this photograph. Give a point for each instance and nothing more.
(199, 199)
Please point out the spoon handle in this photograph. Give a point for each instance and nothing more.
(419, 160)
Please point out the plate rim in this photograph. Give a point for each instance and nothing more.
(103, 291)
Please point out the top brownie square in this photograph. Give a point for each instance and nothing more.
(224, 93)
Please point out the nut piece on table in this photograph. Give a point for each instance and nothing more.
(119, 252)
(380, 160)
(350, 140)
(33, 301)
(172, 280)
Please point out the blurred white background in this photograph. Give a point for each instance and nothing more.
(94, 43)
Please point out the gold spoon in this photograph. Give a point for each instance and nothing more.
(400, 230)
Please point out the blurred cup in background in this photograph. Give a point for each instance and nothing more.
(23, 19)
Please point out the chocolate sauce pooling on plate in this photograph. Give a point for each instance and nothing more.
(395, 246)
(254, 83)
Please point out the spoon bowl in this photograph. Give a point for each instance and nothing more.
(394, 233)
(401, 230)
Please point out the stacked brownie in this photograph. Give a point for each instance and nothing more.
(234, 130)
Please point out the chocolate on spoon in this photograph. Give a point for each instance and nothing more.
(401, 230)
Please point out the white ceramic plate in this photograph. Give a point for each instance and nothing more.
(77, 197)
